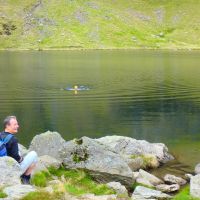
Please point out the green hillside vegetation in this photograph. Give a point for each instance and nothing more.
(104, 24)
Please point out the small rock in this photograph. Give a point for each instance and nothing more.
(146, 193)
(149, 177)
(174, 179)
(195, 186)
(136, 175)
(168, 188)
(18, 191)
(118, 187)
(49, 189)
(54, 182)
(197, 169)
(144, 182)
(188, 176)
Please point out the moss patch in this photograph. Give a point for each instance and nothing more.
(149, 161)
(2, 194)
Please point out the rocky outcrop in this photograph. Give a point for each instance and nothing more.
(171, 179)
(195, 186)
(48, 143)
(129, 146)
(10, 172)
(102, 163)
(142, 193)
(114, 160)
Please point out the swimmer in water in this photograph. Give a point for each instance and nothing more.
(75, 89)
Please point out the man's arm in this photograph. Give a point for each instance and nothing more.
(13, 150)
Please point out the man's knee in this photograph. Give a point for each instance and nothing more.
(34, 156)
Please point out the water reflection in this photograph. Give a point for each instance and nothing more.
(142, 94)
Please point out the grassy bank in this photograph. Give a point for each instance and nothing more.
(72, 182)
(110, 24)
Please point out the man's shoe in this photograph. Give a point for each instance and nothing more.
(25, 180)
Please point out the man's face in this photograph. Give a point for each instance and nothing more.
(13, 126)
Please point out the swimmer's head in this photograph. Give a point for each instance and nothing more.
(75, 87)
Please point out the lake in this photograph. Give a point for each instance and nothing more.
(150, 95)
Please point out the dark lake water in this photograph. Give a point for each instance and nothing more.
(151, 95)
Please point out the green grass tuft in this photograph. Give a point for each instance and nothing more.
(184, 194)
(40, 195)
(39, 179)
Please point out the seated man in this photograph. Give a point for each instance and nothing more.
(28, 163)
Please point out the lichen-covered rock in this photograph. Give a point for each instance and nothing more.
(10, 172)
(195, 186)
(87, 153)
(46, 161)
(18, 191)
(47, 143)
(141, 192)
(118, 188)
(171, 179)
(168, 188)
(129, 146)
(197, 169)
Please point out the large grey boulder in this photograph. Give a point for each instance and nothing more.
(195, 186)
(18, 191)
(48, 143)
(130, 146)
(141, 192)
(171, 179)
(89, 154)
(10, 172)
(44, 162)
(197, 169)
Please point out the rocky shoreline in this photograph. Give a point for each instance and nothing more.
(117, 161)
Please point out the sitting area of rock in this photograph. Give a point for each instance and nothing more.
(10, 172)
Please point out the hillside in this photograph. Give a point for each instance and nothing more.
(99, 24)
